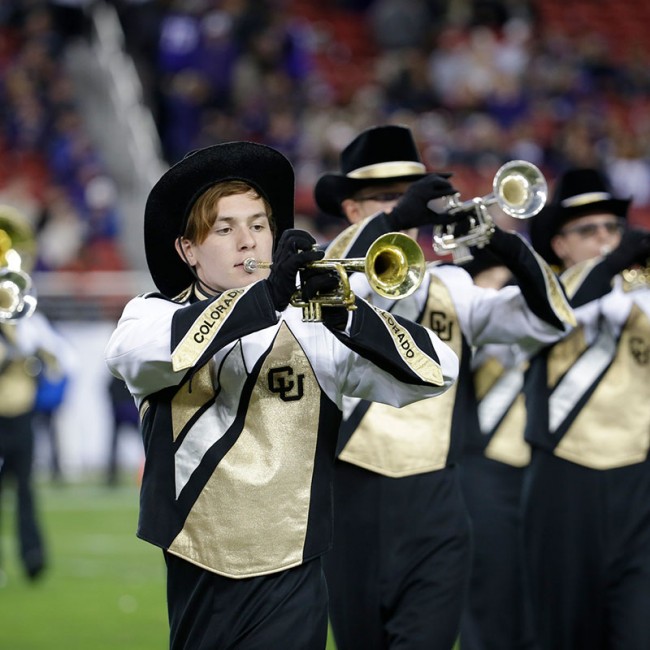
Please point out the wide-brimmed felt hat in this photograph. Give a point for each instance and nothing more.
(172, 197)
(578, 193)
(379, 155)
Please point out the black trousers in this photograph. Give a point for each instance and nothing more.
(286, 610)
(16, 462)
(587, 535)
(398, 571)
(496, 616)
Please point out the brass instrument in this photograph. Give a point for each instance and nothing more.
(518, 188)
(637, 277)
(17, 252)
(394, 266)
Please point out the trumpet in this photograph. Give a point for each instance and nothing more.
(17, 247)
(637, 277)
(518, 188)
(394, 265)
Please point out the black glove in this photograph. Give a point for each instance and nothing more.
(293, 251)
(505, 245)
(532, 278)
(412, 210)
(318, 282)
(633, 249)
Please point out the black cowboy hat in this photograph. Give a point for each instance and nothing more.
(379, 155)
(172, 197)
(578, 193)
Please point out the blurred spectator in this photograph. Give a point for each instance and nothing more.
(400, 24)
(71, 18)
(59, 230)
(478, 82)
(628, 168)
(50, 168)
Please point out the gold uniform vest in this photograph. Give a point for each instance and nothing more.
(613, 428)
(18, 375)
(230, 528)
(413, 439)
(506, 444)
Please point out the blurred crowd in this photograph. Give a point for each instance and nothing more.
(49, 168)
(478, 82)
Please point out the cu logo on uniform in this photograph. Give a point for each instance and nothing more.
(640, 350)
(441, 325)
(281, 382)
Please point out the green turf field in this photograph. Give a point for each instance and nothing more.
(104, 589)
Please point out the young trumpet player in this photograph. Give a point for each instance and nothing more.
(399, 567)
(587, 497)
(240, 400)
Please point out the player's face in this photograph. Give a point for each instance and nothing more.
(241, 230)
(587, 237)
(371, 200)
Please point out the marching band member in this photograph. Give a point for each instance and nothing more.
(31, 350)
(400, 562)
(587, 492)
(240, 400)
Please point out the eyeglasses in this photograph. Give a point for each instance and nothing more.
(587, 230)
(381, 197)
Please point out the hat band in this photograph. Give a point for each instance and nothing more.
(390, 169)
(585, 199)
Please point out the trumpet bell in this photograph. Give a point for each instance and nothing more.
(17, 254)
(395, 265)
(16, 300)
(520, 189)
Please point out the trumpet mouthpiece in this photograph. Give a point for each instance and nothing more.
(250, 264)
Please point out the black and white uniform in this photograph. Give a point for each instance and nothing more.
(28, 347)
(587, 493)
(492, 468)
(399, 568)
(240, 407)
